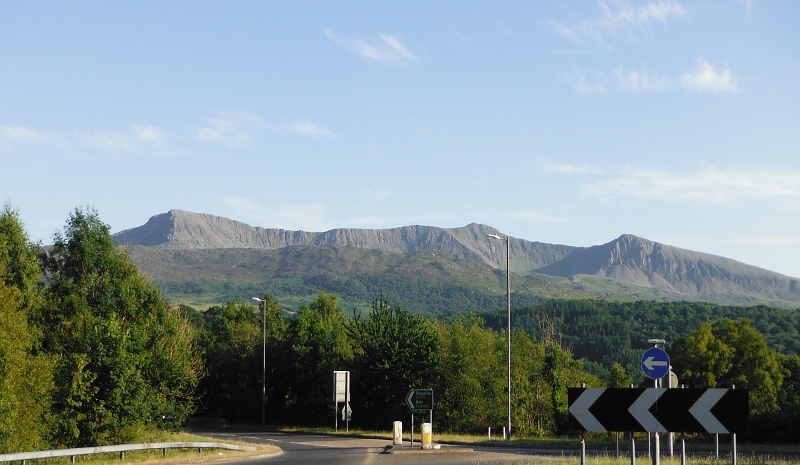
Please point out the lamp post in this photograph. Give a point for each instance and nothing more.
(508, 333)
(264, 359)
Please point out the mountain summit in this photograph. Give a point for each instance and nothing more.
(630, 261)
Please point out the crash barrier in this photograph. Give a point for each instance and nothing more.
(121, 449)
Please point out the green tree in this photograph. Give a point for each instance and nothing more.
(25, 373)
(474, 376)
(231, 343)
(19, 260)
(730, 352)
(394, 352)
(618, 377)
(320, 346)
(123, 358)
(542, 371)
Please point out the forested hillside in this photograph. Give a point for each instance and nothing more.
(604, 333)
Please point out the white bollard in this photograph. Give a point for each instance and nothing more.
(490, 432)
(398, 433)
(427, 436)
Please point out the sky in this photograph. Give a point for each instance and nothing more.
(561, 122)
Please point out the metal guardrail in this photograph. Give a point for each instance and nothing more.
(72, 453)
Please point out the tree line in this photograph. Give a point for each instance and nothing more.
(92, 354)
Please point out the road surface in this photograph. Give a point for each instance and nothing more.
(337, 450)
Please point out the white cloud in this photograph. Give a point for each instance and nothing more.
(110, 141)
(708, 185)
(706, 78)
(104, 141)
(747, 5)
(586, 85)
(623, 18)
(631, 80)
(240, 127)
(388, 50)
(310, 129)
(373, 195)
(569, 169)
(21, 134)
(148, 134)
(235, 128)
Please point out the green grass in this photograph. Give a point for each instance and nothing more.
(158, 456)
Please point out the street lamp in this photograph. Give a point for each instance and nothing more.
(508, 295)
(264, 359)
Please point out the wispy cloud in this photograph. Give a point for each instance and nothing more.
(586, 84)
(747, 5)
(709, 185)
(235, 128)
(569, 169)
(631, 80)
(387, 50)
(110, 141)
(21, 133)
(623, 18)
(148, 134)
(706, 78)
(310, 129)
(239, 128)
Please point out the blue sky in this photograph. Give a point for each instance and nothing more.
(567, 122)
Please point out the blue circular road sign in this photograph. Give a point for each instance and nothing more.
(655, 363)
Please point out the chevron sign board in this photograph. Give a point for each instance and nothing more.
(661, 410)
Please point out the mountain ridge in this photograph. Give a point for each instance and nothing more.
(629, 259)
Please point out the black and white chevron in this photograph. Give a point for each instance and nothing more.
(658, 410)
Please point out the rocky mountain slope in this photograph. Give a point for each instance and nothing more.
(632, 262)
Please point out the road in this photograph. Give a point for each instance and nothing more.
(336, 450)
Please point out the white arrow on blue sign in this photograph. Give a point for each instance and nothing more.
(655, 363)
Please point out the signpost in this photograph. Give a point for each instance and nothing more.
(652, 410)
(341, 394)
(419, 399)
(655, 363)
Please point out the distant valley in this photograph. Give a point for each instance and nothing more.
(201, 260)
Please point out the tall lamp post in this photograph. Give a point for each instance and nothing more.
(508, 333)
(264, 359)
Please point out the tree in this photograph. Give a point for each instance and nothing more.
(231, 343)
(618, 377)
(394, 352)
(25, 373)
(473, 376)
(730, 352)
(319, 346)
(123, 358)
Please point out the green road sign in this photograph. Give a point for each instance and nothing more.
(420, 399)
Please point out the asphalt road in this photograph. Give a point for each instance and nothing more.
(335, 450)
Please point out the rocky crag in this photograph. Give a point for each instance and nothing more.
(675, 272)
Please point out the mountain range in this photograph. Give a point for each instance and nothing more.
(181, 250)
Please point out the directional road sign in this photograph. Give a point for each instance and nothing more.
(660, 410)
(655, 363)
(420, 399)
